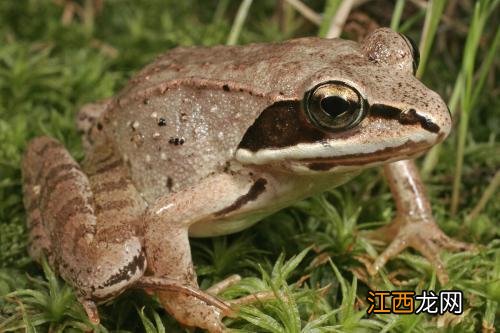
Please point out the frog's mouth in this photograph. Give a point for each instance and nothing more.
(351, 152)
(408, 150)
(345, 163)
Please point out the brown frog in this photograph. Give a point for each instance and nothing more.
(206, 142)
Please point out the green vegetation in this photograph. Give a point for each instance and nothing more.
(56, 56)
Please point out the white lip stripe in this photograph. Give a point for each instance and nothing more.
(328, 149)
(304, 169)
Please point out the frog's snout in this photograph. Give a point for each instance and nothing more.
(417, 126)
(436, 119)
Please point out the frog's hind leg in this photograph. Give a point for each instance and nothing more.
(66, 221)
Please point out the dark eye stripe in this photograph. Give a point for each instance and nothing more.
(278, 126)
(404, 117)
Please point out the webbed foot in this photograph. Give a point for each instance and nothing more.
(425, 237)
(414, 226)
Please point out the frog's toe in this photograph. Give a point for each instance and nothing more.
(87, 121)
(192, 311)
(451, 244)
(426, 238)
(224, 284)
(91, 310)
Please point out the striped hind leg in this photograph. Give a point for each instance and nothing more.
(97, 259)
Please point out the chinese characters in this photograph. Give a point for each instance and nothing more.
(404, 302)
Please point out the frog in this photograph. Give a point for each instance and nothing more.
(207, 141)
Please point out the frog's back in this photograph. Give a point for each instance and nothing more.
(271, 68)
(183, 116)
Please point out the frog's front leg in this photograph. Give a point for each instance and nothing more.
(167, 245)
(81, 227)
(414, 226)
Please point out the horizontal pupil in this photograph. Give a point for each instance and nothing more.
(334, 105)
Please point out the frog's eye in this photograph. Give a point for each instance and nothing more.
(334, 106)
(415, 53)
